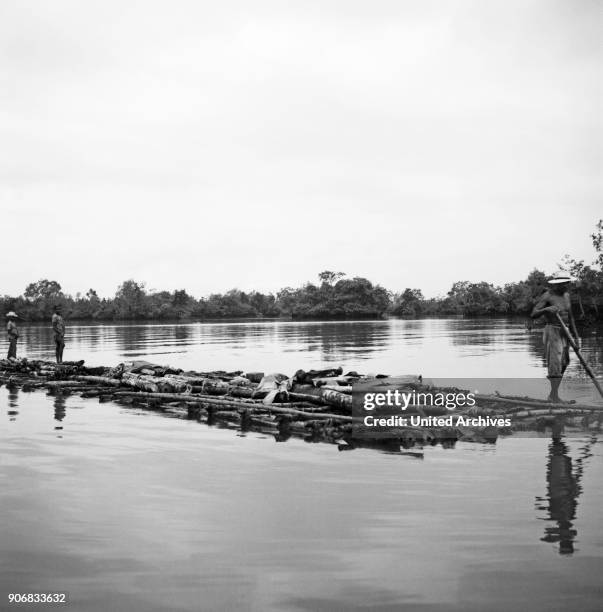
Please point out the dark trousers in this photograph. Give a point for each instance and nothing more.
(12, 348)
(59, 342)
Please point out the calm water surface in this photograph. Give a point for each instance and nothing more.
(433, 347)
(132, 510)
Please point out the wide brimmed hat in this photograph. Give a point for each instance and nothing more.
(12, 313)
(560, 277)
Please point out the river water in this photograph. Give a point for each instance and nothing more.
(132, 510)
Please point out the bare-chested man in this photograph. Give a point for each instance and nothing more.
(556, 345)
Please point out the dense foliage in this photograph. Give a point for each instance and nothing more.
(477, 299)
(333, 297)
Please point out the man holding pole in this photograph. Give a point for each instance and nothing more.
(556, 308)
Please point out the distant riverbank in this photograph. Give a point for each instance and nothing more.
(333, 298)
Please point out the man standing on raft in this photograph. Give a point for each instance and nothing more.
(556, 300)
(58, 326)
(13, 334)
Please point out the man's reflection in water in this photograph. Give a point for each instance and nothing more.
(59, 408)
(563, 489)
(13, 402)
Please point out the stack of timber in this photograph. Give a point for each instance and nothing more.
(315, 405)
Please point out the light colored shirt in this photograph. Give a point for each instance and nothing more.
(12, 330)
(58, 325)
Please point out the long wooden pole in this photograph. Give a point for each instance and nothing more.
(579, 354)
(236, 405)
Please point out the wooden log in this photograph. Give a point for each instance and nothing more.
(191, 380)
(243, 401)
(55, 384)
(310, 415)
(155, 384)
(174, 385)
(161, 384)
(547, 420)
(140, 381)
(35, 382)
(236, 391)
(340, 389)
(308, 377)
(305, 406)
(238, 405)
(552, 411)
(202, 399)
(92, 392)
(334, 381)
(59, 370)
(336, 399)
(501, 399)
(104, 380)
(217, 375)
(306, 397)
(215, 387)
(98, 371)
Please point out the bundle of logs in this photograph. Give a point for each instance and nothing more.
(315, 405)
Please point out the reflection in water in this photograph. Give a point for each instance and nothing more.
(134, 341)
(452, 347)
(59, 409)
(180, 501)
(335, 340)
(563, 488)
(474, 332)
(562, 493)
(13, 402)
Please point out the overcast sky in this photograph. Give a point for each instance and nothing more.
(211, 145)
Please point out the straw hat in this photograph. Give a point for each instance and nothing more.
(560, 277)
(13, 314)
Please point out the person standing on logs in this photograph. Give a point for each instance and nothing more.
(12, 332)
(58, 326)
(556, 300)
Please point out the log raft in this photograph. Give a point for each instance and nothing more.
(315, 405)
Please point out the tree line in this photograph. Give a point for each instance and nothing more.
(334, 296)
